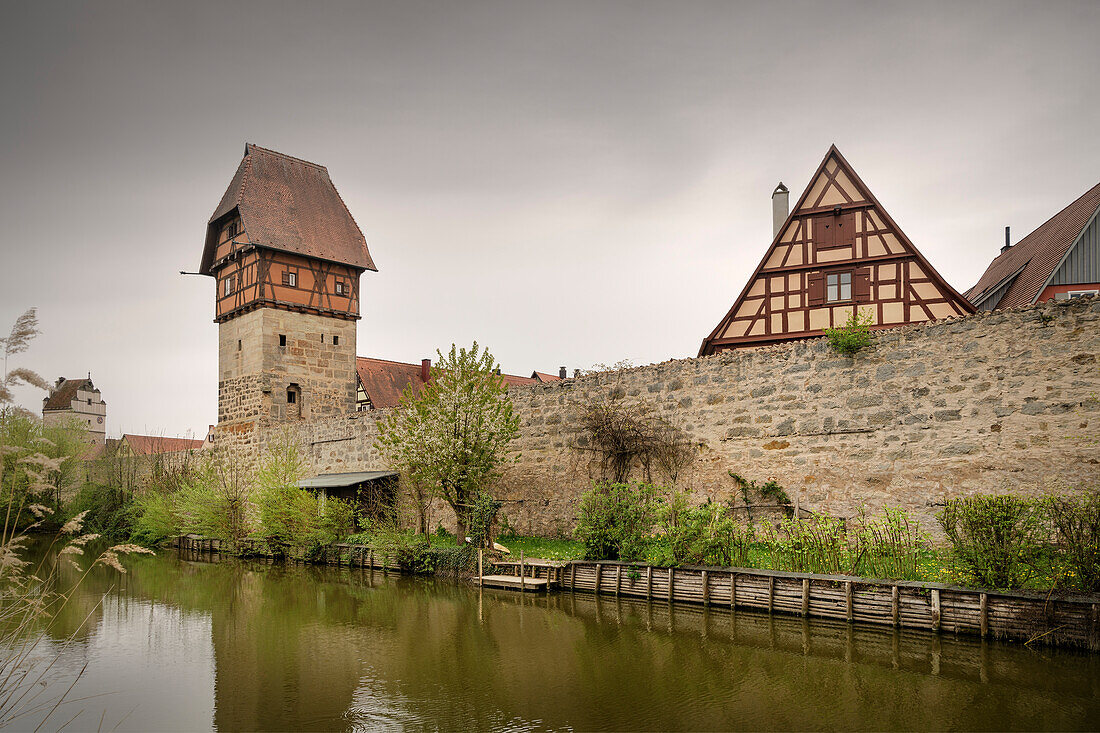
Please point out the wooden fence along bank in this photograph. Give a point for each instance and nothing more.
(1064, 620)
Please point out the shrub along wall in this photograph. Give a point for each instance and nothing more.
(995, 402)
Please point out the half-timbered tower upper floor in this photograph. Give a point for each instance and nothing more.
(286, 256)
(836, 253)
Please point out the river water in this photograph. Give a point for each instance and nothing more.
(181, 643)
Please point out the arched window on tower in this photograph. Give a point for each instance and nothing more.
(293, 402)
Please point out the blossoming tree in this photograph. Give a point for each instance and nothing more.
(453, 435)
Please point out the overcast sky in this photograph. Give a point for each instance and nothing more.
(567, 183)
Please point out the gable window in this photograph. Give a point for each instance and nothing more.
(291, 279)
(339, 287)
(232, 229)
(838, 286)
(1081, 293)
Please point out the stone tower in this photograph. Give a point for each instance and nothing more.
(286, 256)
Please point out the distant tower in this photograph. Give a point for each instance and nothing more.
(286, 257)
(77, 403)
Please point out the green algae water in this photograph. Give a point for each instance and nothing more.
(186, 643)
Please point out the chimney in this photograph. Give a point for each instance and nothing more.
(425, 369)
(1008, 241)
(562, 372)
(780, 207)
(576, 373)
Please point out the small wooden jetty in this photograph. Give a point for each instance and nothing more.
(516, 582)
(534, 574)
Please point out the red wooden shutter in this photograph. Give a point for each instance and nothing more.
(861, 284)
(815, 290)
(844, 229)
(823, 231)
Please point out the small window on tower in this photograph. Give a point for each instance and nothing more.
(282, 339)
(238, 344)
(227, 286)
(291, 279)
(232, 229)
(322, 338)
(335, 340)
(339, 287)
(291, 396)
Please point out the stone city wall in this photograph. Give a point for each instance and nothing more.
(1002, 401)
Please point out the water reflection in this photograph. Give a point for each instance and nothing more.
(240, 645)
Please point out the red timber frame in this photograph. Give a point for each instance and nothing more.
(888, 273)
(256, 272)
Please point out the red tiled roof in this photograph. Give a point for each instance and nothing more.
(62, 397)
(147, 445)
(384, 380)
(1036, 255)
(543, 377)
(290, 205)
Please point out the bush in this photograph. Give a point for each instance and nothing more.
(853, 336)
(109, 511)
(889, 547)
(998, 541)
(1076, 523)
(616, 521)
(480, 521)
(816, 544)
(337, 520)
(412, 552)
(288, 515)
(704, 535)
(154, 519)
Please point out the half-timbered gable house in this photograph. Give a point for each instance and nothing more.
(837, 251)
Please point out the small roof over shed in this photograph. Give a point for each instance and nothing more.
(342, 480)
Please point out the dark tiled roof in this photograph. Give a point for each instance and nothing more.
(383, 380)
(147, 445)
(62, 397)
(290, 205)
(1036, 255)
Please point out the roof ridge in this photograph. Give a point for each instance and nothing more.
(388, 361)
(253, 146)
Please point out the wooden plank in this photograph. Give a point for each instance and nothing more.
(706, 589)
(984, 618)
(848, 601)
(771, 594)
(480, 569)
(805, 597)
(522, 572)
(935, 609)
(733, 590)
(599, 567)
(618, 579)
(895, 606)
(670, 582)
(513, 582)
(649, 582)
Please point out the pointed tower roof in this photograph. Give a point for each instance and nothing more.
(834, 188)
(291, 205)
